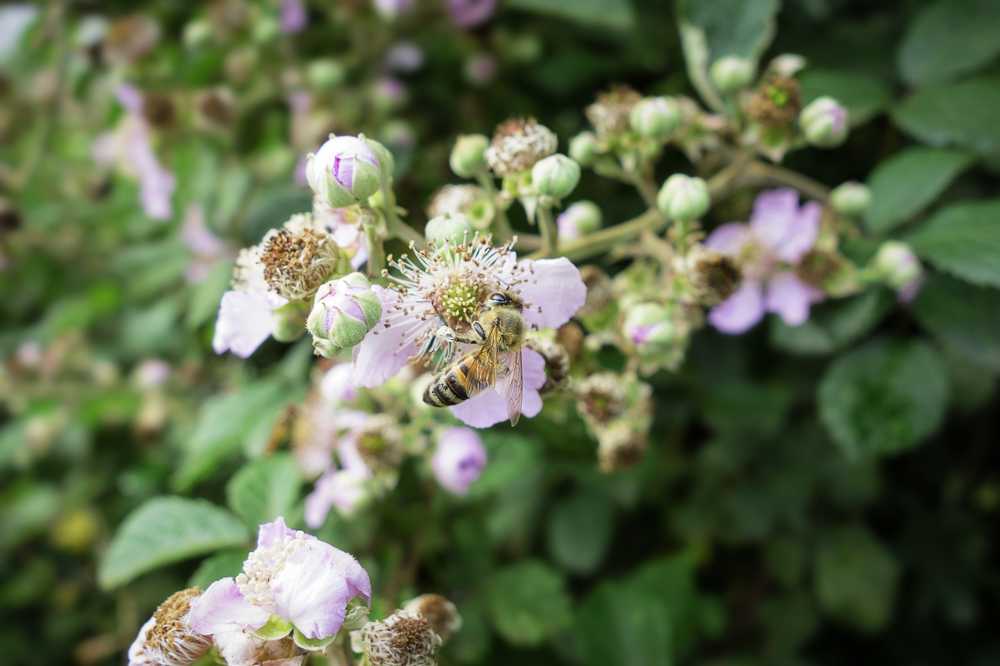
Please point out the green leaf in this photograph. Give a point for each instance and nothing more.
(959, 114)
(856, 578)
(265, 489)
(711, 30)
(225, 421)
(834, 325)
(862, 94)
(579, 531)
(965, 318)
(908, 182)
(165, 530)
(884, 397)
(614, 14)
(27, 510)
(223, 564)
(528, 603)
(741, 28)
(964, 240)
(623, 624)
(949, 38)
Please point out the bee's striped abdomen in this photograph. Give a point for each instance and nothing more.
(450, 387)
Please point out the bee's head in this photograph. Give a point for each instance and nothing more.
(499, 299)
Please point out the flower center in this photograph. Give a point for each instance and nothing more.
(262, 565)
(459, 302)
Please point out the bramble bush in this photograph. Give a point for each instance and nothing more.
(409, 332)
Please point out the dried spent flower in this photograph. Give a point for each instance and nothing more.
(166, 639)
(620, 446)
(776, 102)
(438, 611)
(713, 276)
(611, 112)
(402, 639)
(557, 362)
(518, 144)
(299, 257)
(601, 397)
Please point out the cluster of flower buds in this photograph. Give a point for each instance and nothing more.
(777, 119)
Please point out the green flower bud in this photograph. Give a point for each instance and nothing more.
(453, 228)
(897, 264)
(824, 123)
(343, 312)
(345, 171)
(683, 198)
(730, 74)
(325, 73)
(655, 117)
(851, 199)
(584, 148)
(555, 176)
(580, 219)
(386, 162)
(659, 337)
(468, 156)
(288, 322)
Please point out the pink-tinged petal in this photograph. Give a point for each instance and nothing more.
(490, 407)
(274, 532)
(790, 297)
(344, 489)
(358, 582)
(458, 459)
(243, 324)
(223, 608)
(336, 386)
(471, 13)
(741, 311)
(774, 213)
(197, 237)
(802, 235)
(552, 292)
(482, 411)
(293, 16)
(381, 354)
(310, 592)
(729, 239)
(129, 97)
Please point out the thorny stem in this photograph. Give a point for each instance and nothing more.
(548, 228)
(501, 226)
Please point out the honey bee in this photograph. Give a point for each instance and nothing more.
(501, 330)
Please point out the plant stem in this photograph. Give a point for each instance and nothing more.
(759, 173)
(547, 226)
(719, 186)
(501, 226)
(376, 251)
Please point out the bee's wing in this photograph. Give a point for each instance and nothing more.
(515, 386)
(482, 368)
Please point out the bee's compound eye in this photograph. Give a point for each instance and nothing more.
(499, 299)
